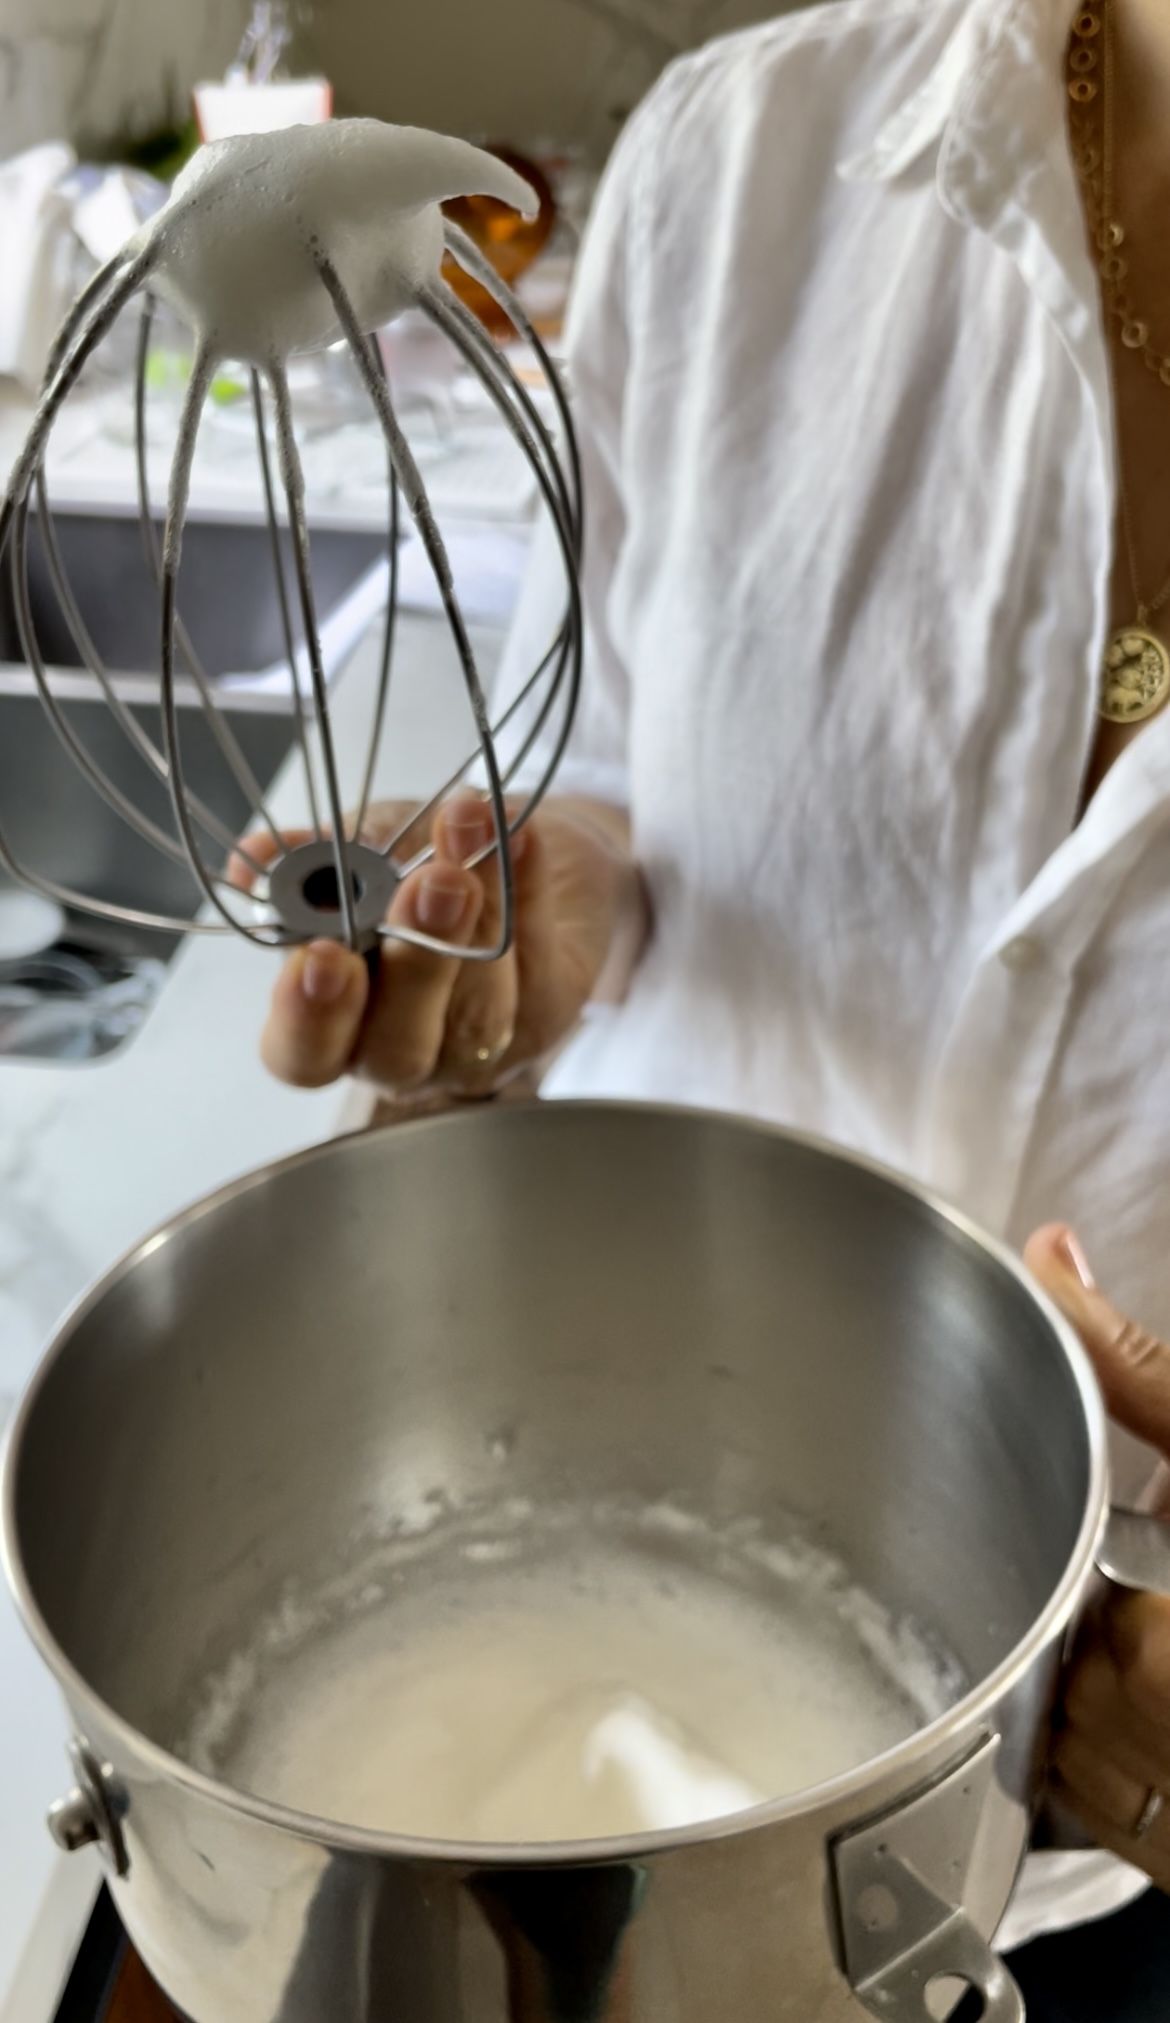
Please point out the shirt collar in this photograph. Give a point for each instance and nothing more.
(993, 94)
(993, 107)
(921, 120)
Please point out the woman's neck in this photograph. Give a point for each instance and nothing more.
(1140, 31)
(1145, 25)
(1141, 46)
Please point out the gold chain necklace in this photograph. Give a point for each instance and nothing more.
(1135, 676)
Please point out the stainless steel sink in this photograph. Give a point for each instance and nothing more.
(227, 590)
(56, 821)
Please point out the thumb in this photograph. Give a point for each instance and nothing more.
(1132, 1366)
(315, 1015)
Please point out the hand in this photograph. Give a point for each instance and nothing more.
(1111, 1753)
(432, 1024)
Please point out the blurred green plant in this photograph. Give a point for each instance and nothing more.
(168, 371)
(160, 154)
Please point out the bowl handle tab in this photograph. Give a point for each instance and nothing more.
(92, 1812)
(1134, 1550)
(901, 1882)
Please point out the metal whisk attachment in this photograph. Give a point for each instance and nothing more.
(272, 245)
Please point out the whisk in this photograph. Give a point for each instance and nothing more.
(269, 246)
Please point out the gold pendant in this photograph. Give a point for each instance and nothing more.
(1135, 679)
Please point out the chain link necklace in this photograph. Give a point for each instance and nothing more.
(1135, 676)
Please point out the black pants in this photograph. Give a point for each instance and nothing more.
(1115, 1970)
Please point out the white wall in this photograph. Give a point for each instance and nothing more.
(519, 70)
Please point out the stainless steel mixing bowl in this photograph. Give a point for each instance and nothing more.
(624, 1301)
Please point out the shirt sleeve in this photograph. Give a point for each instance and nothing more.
(598, 354)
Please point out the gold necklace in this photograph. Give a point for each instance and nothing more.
(1135, 675)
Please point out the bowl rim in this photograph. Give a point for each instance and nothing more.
(909, 1764)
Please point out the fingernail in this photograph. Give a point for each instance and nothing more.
(1068, 1250)
(439, 905)
(324, 977)
(469, 830)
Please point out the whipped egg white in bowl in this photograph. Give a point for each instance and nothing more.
(565, 1563)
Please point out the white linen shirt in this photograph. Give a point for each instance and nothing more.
(843, 392)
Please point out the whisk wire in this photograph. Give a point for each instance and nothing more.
(568, 640)
(292, 477)
(57, 389)
(436, 307)
(202, 372)
(382, 693)
(414, 492)
(86, 300)
(92, 661)
(509, 394)
(558, 649)
(30, 644)
(464, 249)
(228, 744)
(102, 909)
(17, 529)
(286, 623)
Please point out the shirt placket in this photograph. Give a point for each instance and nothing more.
(1008, 1027)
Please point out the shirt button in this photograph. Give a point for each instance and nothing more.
(1024, 953)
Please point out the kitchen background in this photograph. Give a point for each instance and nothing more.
(96, 72)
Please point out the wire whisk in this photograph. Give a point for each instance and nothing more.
(271, 245)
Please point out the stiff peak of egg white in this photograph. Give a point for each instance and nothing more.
(232, 249)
